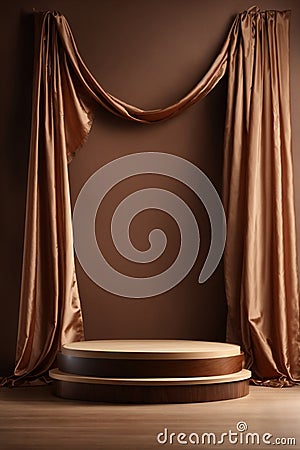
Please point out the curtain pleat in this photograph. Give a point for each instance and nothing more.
(260, 256)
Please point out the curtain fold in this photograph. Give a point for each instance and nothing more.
(121, 108)
(260, 258)
(50, 311)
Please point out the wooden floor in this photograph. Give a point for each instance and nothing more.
(31, 418)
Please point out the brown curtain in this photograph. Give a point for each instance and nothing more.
(258, 176)
(260, 257)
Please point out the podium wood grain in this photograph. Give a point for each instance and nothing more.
(150, 349)
(150, 394)
(143, 368)
(150, 371)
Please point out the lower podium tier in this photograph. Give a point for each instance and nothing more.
(150, 371)
(151, 390)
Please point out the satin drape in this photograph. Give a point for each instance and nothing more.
(258, 178)
(260, 257)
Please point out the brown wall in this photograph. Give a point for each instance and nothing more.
(148, 53)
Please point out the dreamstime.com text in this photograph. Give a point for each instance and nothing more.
(240, 436)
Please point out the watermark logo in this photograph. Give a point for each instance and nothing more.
(239, 436)
(103, 180)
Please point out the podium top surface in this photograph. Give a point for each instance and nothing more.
(150, 349)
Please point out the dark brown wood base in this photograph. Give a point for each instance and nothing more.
(150, 371)
(142, 368)
(150, 394)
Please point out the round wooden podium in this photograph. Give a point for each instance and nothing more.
(150, 371)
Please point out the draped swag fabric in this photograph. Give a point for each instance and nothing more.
(260, 256)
